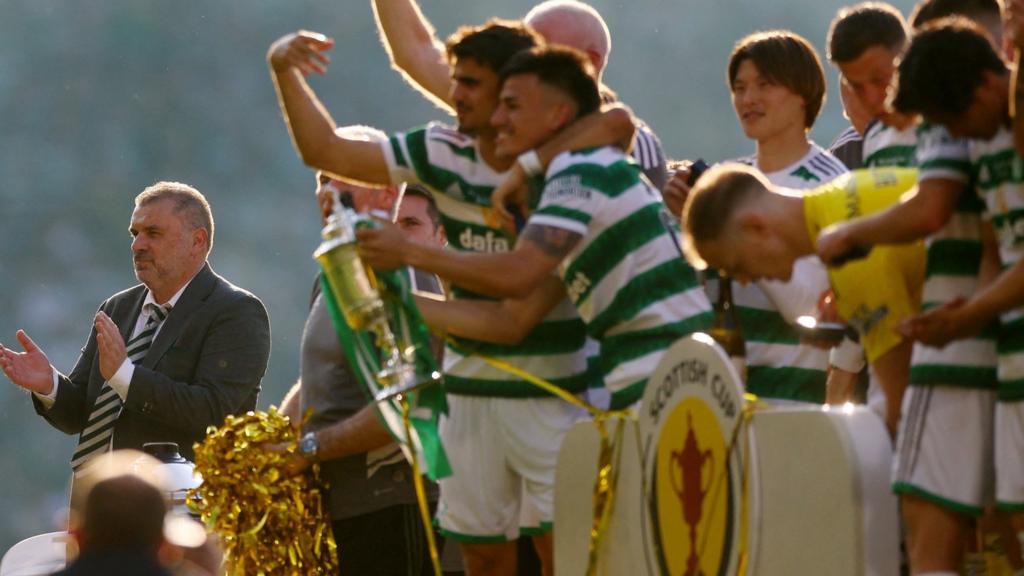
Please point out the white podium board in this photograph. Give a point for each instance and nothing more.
(709, 487)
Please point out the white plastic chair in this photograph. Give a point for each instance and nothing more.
(36, 556)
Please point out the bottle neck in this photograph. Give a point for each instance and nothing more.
(724, 291)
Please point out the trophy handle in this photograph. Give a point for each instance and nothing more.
(707, 457)
(677, 464)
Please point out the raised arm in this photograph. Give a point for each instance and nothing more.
(414, 49)
(310, 124)
(503, 322)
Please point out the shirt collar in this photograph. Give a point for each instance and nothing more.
(150, 302)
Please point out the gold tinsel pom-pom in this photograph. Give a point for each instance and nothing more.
(269, 523)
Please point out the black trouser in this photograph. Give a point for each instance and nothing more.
(388, 542)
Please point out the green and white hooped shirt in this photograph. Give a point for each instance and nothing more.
(998, 173)
(449, 164)
(626, 275)
(953, 253)
(778, 365)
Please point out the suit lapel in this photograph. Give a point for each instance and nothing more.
(191, 300)
(126, 315)
(124, 312)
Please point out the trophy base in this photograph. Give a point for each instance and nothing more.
(408, 385)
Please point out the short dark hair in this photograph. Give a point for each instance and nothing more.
(930, 10)
(786, 59)
(123, 512)
(566, 69)
(420, 192)
(942, 68)
(189, 204)
(491, 44)
(857, 28)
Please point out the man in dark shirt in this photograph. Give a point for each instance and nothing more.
(371, 491)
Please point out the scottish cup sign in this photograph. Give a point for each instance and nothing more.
(692, 451)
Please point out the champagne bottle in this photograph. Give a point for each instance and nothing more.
(726, 327)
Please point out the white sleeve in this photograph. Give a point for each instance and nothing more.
(47, 400)
(122, 379)
(848, 356)
(799, 296)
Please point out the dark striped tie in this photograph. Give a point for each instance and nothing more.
(99, 430)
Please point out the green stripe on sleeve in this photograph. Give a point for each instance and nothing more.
(608, 180)
(396, 148)
(614, 244)
(563, 212)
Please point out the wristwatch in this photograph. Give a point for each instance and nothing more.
(308, 446)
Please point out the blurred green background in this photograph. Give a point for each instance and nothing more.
(100, 99)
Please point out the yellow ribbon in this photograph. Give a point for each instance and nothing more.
(604, 489)
(421, 493)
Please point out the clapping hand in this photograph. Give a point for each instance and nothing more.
(30, 369)
(110, 345)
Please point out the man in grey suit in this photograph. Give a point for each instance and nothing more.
(165, 359)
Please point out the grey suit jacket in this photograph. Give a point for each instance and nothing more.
(206, 363)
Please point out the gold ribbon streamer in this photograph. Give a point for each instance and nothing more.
(604, 488)
(421, 493)
(269, 523)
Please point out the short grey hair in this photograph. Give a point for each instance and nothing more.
(189, 204)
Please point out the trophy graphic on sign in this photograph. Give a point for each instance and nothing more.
(691, 488)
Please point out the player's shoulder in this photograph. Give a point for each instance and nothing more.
(439, 132)
(824, 164)
(597, 158)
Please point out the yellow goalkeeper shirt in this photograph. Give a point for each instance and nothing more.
(874, 294)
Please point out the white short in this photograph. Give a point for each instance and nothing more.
(944, 447)
(875, 396)
(503, 453)
(1009, 451)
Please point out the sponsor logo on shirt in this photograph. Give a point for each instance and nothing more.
(487, 242)
(570, 185)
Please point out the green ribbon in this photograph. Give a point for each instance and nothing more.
(425, 404)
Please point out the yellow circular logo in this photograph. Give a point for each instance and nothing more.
(693, 493)
(693, 481)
